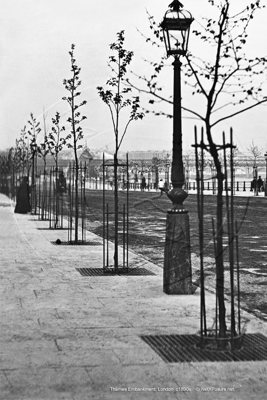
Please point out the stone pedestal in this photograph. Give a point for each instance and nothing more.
(177, 277)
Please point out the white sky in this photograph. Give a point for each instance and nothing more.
(35, 38)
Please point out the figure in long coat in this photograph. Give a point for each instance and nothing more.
(23, 198)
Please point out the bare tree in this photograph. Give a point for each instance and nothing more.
(56, 142)
(33, 133)
(256, 153)
(24, 151)
(43, 148)
(116, 97)
(72, 85)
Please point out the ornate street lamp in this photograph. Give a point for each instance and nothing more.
(176, 26)
(177, 261)
(265, 156)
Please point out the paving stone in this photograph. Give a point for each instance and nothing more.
(64, 336)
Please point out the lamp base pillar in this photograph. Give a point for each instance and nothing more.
(177, 275)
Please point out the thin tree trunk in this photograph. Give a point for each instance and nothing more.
(76, 197)
(57, 200)
(44, 191)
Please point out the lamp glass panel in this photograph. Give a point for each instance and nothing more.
(177, 41)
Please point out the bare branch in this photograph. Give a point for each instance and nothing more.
(239, 112)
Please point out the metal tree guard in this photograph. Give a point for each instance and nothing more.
(109, 232)
(210, 336)
(78, 204)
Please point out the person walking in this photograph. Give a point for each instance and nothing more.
(143, 183)
(161, 186)
(259, 184)
(253, 185)
(23, 197)
(61, 183)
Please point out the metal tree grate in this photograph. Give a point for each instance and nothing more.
(185, 348)
(112, 272)
(78, 243)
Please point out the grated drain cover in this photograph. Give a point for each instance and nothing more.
(112, 272)
(184, 348)
(79, 243)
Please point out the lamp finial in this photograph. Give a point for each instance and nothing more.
(176, 5)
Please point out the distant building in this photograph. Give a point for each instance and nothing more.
(147, 155)
(86, 156)
(243, 162)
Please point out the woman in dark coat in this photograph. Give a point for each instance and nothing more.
(23, 198)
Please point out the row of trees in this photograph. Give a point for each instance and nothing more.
(27, 149)
(115, 95)
(226, 81)
(30, 145)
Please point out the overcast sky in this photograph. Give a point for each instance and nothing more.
(35, 38)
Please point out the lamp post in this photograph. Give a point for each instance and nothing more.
(265, 156)
(177, 259)
(255, 177)
(167, 168)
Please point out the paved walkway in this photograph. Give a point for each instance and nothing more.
(65, 336)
